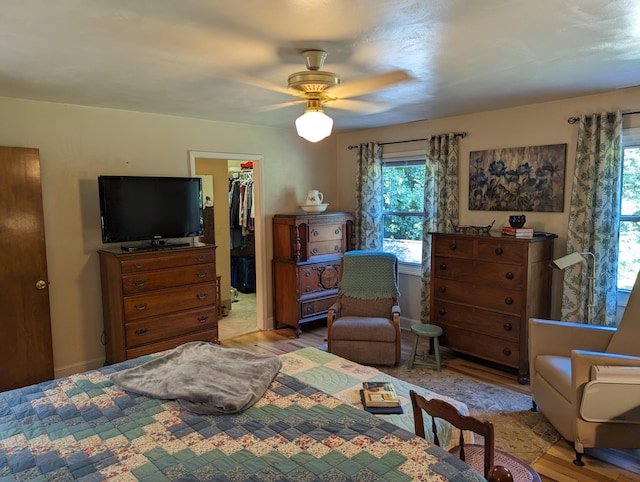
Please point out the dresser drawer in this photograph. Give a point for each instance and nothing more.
(166, 260)
(315, 278)
(497, 350)
(317, 306)
(169, 300)
(167, 278)
(506, 275)
(476, 320)
(458, 247)
(479, 295)
(325, 232)
(153, 329)
(206, 335)
(321, 248)
(502, 251)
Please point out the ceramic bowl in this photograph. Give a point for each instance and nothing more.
(314, 208)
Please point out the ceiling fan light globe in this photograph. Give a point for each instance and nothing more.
(314, 125)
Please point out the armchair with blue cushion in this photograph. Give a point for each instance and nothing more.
(363, 325)
(585, 379)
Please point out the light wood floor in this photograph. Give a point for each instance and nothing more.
(602, 465)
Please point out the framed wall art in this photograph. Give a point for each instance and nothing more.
(518, 179)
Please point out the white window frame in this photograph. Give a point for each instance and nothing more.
(630, 138)
(411, 269)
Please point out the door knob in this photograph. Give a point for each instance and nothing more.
(41, 284)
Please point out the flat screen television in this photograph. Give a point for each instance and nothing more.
(144, 208)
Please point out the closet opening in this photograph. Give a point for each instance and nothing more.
(231, 181)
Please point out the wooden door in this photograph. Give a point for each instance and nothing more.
(26, 353)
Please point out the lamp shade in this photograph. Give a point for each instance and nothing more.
(314, 125)
(568, 260)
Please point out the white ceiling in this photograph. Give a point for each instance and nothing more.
(208, 58)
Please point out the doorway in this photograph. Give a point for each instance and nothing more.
(244, 309)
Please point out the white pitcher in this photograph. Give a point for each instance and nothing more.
(314, 197)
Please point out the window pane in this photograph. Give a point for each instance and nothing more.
(403, 237)
(630, 205)
(628, 254)
(403, 188)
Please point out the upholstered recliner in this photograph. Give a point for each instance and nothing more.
(561, 358)
(364, 323)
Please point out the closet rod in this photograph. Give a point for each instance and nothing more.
(573, 120)
(458, 134)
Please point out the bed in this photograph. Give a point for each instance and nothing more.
(85, 428)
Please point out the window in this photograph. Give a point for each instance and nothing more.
(403, 207)
(629, 245)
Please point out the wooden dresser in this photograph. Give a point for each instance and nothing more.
(158, 299)
(484, 288)
(307, 252)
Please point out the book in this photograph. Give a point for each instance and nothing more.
(380, 410)
(379, 394)
(517, 232)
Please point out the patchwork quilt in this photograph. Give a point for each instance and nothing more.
(85, 428)
(343, 379)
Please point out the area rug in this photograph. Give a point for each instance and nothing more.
(518, 431)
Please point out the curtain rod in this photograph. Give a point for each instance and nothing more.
(573, 120)
(458, 134)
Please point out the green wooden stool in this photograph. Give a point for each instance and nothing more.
(432, 332)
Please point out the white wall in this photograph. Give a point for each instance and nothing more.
(530, 125)
(78, 143)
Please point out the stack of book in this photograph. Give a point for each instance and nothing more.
(517, 232)
(380, 398)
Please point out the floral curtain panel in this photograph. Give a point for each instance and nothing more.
(594, 219)
(441, 202)
(368, 214)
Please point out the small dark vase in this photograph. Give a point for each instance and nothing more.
(517, 221)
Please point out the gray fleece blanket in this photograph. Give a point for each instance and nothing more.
(203, 377)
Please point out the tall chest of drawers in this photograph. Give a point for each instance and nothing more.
(307, 252)
(157, 300)
(484, 288)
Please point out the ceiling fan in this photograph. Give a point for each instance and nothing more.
(318, 88)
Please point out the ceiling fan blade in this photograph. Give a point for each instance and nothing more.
(359, 87)
(359, 106)
(254, 82)
(267, 108)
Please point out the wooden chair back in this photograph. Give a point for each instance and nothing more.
(441, 409)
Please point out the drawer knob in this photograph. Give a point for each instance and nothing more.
(442, 312)
(443, 289)
(316, 233)
(307, 289)
(509, 275)
(140, 306)
(139, 283)
(452, 246)
(508, 327)
(138, 265)
(307, 273)
(499, 251)
(508, 300)
(314, 251)
(443, 266)
(506, 352)
(309, 309)
(201, 296)
(337, 231)
(201, 274)
(141, 331)
(203, 318)
(336, 248)
(199, 258)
